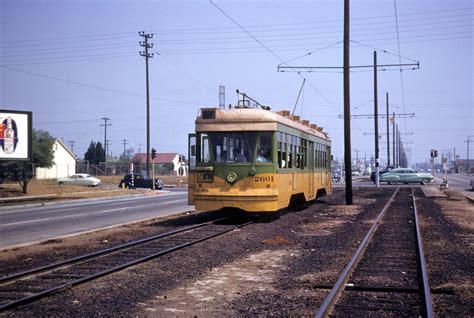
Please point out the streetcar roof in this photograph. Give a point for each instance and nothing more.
(252, 119)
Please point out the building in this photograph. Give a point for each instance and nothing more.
(64, 163)
(165, 163)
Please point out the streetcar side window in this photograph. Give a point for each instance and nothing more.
(265, 149)
(205, 154)
(289, 155)
(281, 144)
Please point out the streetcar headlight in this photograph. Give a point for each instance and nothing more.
(231, 177)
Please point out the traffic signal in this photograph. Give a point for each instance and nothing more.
(153, 153)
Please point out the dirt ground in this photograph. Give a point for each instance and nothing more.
(53, 191)
(266, 269)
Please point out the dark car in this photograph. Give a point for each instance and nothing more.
(381, 172)
(130, 181)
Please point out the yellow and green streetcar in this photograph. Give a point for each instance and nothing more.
(256, 160)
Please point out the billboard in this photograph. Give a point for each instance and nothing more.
(15, 135)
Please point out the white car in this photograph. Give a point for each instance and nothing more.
(82, 179)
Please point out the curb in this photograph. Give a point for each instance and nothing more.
(62, 201)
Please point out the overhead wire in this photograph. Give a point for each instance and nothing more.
(278, 57)
(93, 86)
(400, 61)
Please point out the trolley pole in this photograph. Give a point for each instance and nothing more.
(376, 124)
(347, 106)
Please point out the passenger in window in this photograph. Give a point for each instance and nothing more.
(238, 156)
(261, 157)
(223, 157)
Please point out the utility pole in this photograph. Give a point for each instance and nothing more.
(125, 142)
(399, 140)
(347, 105)
(376, 124)
(396, 146)
(147, 56)
(467, 160)
(108, 147)
(388, 132)
(71, 145)
(393, 134)
(105, 136)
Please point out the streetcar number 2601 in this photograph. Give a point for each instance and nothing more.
(263, 179)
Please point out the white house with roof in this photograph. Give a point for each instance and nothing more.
(64, 163)
(179, 167)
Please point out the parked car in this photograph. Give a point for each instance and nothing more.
(81, 179)
(405, 175)
(130, 181)
(381, 172)
(336, 177)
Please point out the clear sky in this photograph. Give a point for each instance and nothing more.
(74, 62)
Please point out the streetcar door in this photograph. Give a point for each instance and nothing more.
(192, 149)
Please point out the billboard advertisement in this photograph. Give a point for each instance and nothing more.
(15, 135)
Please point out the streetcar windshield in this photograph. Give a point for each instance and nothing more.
(236, 147)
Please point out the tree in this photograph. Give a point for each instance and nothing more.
(127, 158)
(42, 147)
(99, 152)
(95, 153)
(90, 153)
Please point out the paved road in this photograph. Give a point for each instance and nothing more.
(458, 182)
(27, 224)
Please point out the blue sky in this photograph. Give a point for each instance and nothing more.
(74, 62)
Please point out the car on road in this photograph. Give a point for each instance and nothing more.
(131, 181)
(336, 177)
(406, 175)
(381, 172)
(81, 179)
(472, 184)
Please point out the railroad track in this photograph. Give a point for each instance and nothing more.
(32, 285)
(387, 275)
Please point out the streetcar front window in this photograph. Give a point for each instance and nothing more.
(236, 147)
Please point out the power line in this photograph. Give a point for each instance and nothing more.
(184, 72)
(92, 86)
(274, 54)
(112, 36)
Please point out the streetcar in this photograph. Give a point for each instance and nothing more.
(256, 160)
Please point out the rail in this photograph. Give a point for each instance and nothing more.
(114, 251)
(334, 295)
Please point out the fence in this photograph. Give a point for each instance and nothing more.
(112, 169)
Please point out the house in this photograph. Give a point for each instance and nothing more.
(64, 163)
(165, 163)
